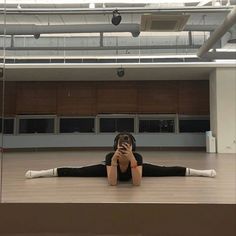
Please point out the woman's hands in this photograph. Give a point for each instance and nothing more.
(123, 153)
(112, 170)
(117, 155)
(126, 151)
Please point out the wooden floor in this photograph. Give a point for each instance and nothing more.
(17, 189)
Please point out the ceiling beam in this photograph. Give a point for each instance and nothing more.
(105, 11)
(125, 47)
(229, 21)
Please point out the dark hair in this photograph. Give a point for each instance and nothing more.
(116, 140)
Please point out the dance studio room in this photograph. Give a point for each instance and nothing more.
(117, 118)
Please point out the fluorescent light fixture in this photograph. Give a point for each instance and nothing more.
(225, 61)
(91, 5)
(100, 1)
(225, 50)
(108, 57)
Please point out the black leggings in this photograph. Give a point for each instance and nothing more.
(99, 170)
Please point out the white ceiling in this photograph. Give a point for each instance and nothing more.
(184, 71)
(207, 18)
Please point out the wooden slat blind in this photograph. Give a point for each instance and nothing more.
(91, 98)
(193, 97)
(158, 97)
(9, 98)
(76, 99)
(116, 98)
(36, 98)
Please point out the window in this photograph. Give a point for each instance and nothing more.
(36, 125)
(194, 125)
(8, 125)
(156, 125)
(108, 125)
(81, 125)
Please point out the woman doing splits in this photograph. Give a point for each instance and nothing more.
(123, 164)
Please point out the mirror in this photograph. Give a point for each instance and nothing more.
(2, 85)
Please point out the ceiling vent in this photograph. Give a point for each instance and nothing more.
(163, 23)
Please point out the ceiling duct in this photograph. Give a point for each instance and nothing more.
(228, 22)
(163, 23)
(30, 29)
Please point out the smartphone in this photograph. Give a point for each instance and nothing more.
(124, 139)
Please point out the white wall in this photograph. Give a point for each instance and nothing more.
(102, 140)
(223, 108)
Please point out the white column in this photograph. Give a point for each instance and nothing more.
(223, 108)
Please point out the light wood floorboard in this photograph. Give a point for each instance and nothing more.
(16, 188)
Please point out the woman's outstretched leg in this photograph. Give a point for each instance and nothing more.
(98, 170)
(30, 174)
(204, 173)
(150, 170)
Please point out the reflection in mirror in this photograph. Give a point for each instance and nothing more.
(2, 85)
(70, 80)
(1, 125)
(73, 80)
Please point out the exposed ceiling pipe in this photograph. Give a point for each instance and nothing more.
(96, 11)
(229, 21)
(126, 47)
(31, 29)
(56, 29)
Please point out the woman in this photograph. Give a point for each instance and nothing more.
(124, 164)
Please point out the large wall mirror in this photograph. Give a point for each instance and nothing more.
(3, 22)
(74, 74)
(55, 98)
(71, 79)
